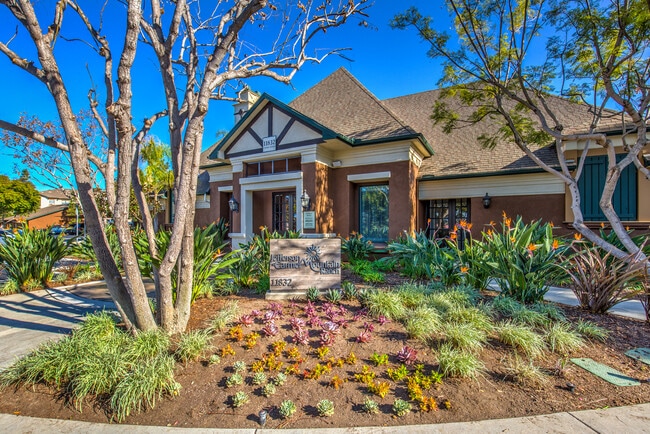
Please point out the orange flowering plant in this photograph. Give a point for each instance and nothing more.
(525, 258)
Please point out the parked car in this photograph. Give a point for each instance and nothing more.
(72, 230)
(56, 230)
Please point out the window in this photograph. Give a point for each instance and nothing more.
(592, 182)
(373, 212)
(444, 214)
(270, 167)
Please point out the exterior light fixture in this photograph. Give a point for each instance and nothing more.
(305, 200)
(487, 200)
(233, 204)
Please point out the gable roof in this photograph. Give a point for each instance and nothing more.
(48, 210)
(58, 193)
(344, 105)
(460, 153)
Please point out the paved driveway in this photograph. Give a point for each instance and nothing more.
(29, 319)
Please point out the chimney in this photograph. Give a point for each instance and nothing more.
(246, 100)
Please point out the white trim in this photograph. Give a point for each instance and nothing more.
(265, 179)
(283, 181)
(225, 189)
(376, 154)
(220, 175)
(505, 185)
(367, 177)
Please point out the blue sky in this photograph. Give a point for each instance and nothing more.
(388, 62)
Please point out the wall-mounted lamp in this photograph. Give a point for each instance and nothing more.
(233, 204)
(305, 201)
(336, 163)
(487, 200)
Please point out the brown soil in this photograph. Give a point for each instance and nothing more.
(204, 400)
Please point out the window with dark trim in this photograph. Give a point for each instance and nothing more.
(373, 212)
(444, 214)
(284, 212)
(592, 183)
(281, 165)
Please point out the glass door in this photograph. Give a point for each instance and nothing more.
(284, 212)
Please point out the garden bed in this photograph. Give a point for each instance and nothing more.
(205, 401)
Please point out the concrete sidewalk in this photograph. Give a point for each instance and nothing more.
(629, 420)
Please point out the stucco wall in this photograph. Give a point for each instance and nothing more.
(47, 221)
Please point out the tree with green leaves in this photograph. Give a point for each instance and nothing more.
(200, 54)
(508, 59)
(156, 175)
(17, 196)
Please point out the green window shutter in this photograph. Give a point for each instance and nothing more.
(591, 185)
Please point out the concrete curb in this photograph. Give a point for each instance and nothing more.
(630, 420)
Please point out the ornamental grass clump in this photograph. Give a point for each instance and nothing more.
(525, 372)
(589, 330)
(464, 336)
(457, 363)
(102, 361)
(521, 337)
(561, 339)
(422, 323)
(471, 316)
(226, 316)
(386, 303)
(192, 344)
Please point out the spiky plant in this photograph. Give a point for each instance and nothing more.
(457, 363)
(313, 294)
(227, 315)
(422, 322)
(464, 336)
(279, 379)
(325, 408)
(239, 367)
(192, 344)
(386, 303)
(590, 330)
(525, 372)
(333, 295)
(349, 290)
(521, 337)
(561, 339)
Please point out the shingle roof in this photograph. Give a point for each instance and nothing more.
(52, 209)
(56, 194)
(344, 105)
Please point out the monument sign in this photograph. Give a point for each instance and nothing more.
(301, 263)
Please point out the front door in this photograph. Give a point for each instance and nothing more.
(284, 212)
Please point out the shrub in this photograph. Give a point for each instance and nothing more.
(268, 390)
(287, 409)
(214, 359)
(414, 253)
(259, 378)
(356, 247)
(31, 255)
(279, 379)
(234, 380)
(524, 259)
(239, 367)
(600, 280)
(367, 271)
(325, 408)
